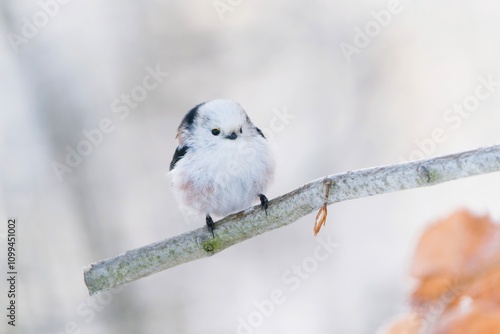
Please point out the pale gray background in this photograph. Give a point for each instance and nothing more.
(267, 56)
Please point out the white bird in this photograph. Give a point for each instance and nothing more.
(222, 163)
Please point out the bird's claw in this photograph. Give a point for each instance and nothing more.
(210, 225)
(264, 202)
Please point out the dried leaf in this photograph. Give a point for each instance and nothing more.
(441, 288)
(481, 318)
(457, 265)
(457, 246)
(320, 219)
(486, 286)
(323, 212)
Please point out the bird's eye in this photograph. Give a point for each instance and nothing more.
(216, 131)
(241, 129)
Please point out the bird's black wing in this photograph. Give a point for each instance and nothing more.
(186, 126)
(259, 131)
(178, 155)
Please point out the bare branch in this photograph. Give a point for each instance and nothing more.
(285, 210)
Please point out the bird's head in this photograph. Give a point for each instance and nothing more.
(216, 122)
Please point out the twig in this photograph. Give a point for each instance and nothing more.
(285, 210)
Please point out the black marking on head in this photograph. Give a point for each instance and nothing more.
(260, 132)
(178, 155)
(188, 120)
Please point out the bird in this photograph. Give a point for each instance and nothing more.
(223, 163)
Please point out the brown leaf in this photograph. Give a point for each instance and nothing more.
(481, 318)
(320, 219)
(323, 212)
(457, 265)
(457, 246)
(436, 289)
(486, 286)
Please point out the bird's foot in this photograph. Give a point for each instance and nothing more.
(264, 202)
(210, 225)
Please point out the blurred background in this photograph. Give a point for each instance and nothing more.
(91, 96)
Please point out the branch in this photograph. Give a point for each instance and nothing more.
(285, 210)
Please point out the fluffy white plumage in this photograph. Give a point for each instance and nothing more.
(223, 162)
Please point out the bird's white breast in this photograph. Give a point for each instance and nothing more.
(226, 178)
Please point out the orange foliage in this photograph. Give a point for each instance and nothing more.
(457, 265)
(458, 245)
(480, 319)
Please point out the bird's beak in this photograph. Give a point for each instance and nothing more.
(232, 136)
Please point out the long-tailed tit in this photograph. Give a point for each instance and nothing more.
(222, 163)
